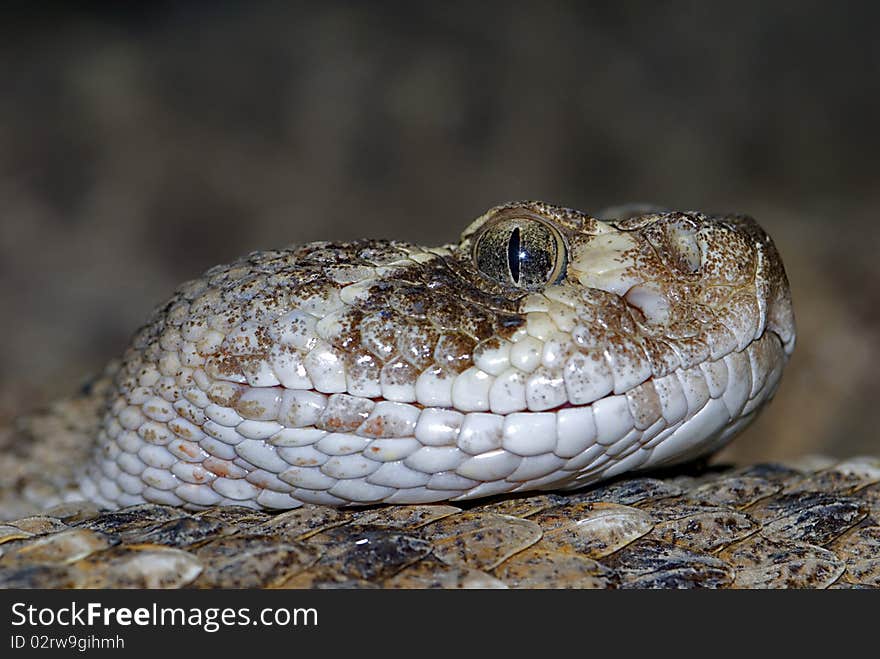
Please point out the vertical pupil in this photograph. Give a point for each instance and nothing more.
(513, 255)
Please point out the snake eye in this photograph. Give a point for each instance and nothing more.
(522, 252)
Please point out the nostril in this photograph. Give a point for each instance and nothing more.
(686, 249)
(678, 245)
(650, 300)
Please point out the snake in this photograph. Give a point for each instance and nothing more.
(548, 349)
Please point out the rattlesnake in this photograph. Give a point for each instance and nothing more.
(547, 349)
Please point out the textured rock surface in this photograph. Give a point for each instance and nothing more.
(764, 526)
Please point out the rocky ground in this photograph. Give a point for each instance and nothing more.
(766, 526)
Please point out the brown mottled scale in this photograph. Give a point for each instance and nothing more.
(435, 292)
(764, 526)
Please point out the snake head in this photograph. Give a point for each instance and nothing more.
(680, 274)
(547, 349)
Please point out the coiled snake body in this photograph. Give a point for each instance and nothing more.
(548, 349)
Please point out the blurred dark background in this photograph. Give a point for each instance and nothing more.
(142, 143)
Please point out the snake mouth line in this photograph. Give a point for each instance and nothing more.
(652, 378)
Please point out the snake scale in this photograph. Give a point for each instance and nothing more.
(547, 350)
